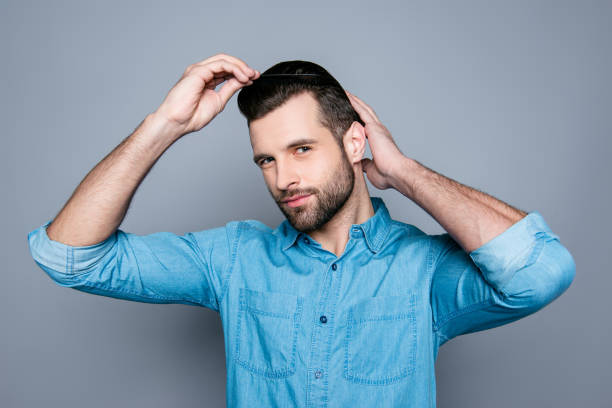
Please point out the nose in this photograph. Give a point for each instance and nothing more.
(287, 176)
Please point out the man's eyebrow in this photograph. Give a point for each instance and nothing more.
(295, 143)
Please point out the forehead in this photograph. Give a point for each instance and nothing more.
(297, 118)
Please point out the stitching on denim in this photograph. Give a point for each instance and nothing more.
(210, 302)
(136, 294)
(132, 293)
(537, 249)
(230, 270)
(397, 316)
(265, 313)
(266, 372)
(381, 237)
(324, 289)
(471, 308)
(332, 333)
(69, 260)
(412, 343)
(429, 263)
(317, 328)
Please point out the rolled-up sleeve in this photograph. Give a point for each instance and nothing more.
(157, 268)
(513, 275)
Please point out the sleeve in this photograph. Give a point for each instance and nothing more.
(162, 267)
(513, 275)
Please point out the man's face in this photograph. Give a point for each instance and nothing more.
(298, 156)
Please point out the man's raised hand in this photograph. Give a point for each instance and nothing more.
(193, 102)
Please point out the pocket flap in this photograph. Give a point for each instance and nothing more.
(383, 308)
(272, 303)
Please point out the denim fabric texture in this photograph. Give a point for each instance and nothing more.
(305, 328)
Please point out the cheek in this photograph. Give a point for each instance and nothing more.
(328, 167)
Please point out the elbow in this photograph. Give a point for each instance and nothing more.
(562, 271)
(540, 283)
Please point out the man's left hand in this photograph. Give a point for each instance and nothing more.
(387, 159)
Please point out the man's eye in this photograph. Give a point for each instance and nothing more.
(263, 161)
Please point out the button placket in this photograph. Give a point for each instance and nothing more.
(317, 389)
(323, 318)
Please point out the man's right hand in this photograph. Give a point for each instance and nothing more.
(193, 102)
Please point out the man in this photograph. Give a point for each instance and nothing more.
(340, 305)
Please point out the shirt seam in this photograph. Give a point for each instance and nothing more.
(140, 294)
(233, 254)
(209, 302)
(429, 279)
(448, 318)
(471, 308)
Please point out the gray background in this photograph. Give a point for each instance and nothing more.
(513, 98)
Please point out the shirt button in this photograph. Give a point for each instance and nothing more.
(323, 319)
(318, 374)
(334, 267)
(306, 240)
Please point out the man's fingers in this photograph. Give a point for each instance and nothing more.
(229, 58)
(228, 89)
(216, 81)
(214, 68)
(363, 114)
(365, 107)
(235, 60)
(366, 114)
(222, 68)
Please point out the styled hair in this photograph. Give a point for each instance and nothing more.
(290, 78)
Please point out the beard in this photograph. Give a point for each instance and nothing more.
(325, 202)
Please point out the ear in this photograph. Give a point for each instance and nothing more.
(355, 142)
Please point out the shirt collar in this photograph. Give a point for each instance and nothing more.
(375, 229)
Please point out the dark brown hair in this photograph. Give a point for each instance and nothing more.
(290, 78)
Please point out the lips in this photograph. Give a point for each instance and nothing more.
(294, 198)
(298, 201)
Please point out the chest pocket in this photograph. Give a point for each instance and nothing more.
(267, 331)
(380, 344)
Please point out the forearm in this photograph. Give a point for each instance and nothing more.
(99, 203)
(471, 217)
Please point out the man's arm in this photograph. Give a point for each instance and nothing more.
(83, 248)
(515, 274)
(494, 265)
(99, 204)
(470, 216)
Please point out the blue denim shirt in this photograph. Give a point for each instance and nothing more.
(305, 328)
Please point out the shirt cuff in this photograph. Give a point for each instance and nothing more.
(66, 258)
(515, 248)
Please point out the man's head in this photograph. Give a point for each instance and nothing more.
(306, 138)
